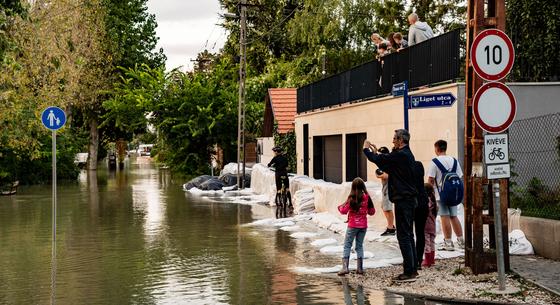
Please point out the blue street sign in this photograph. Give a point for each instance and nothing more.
(53, 118)
(398, 89)
(432, 100)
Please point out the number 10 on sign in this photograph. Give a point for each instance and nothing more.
(492, 54)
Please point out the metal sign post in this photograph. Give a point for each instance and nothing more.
(53, 118)
(401, 89)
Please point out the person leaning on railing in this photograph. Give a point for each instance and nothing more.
(419, 31)
(400, 42)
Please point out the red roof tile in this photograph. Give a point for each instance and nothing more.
(283, 101)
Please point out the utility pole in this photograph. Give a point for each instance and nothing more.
(241, 106)
(481, 15)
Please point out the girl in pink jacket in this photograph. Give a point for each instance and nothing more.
(357, 206)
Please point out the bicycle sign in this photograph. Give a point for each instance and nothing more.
(496, 152)
(496, 148)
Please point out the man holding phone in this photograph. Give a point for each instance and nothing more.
(399, 165)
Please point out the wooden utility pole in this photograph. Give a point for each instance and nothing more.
(477, 189)
(241, 105)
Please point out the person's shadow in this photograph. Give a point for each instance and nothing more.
(360, 297)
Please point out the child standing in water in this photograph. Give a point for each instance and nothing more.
(430, 229)
(357, 206)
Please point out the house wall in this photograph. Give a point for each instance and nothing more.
(264, 150)
(379, 118)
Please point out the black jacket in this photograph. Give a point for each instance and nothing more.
(419, 182)
(399, 165)
(280, 164)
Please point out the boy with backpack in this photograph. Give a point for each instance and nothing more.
(445, 175)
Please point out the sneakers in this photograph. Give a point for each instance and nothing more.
(389, 232)
(461, 242)
(448, 245)
(401, 278)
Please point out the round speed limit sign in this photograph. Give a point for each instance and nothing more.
(492, 54)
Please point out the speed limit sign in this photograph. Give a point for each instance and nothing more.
(492, 54)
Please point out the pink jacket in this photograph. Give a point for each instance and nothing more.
(430, 227)
(357, 219)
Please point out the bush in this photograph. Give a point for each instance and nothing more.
(537, 199)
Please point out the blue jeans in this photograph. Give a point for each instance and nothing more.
(404, 216)
(359, 234)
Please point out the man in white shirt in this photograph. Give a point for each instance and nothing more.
(447, 213)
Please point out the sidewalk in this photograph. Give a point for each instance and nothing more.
(540, 271)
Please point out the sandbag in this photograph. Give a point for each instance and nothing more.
(519, 244)
(231, 168)
(231, 179)
(196, 182)
(212, 184)
(304, 201)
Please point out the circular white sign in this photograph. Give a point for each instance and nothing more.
(494, 107)
(492, 54)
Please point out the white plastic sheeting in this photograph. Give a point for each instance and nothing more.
(231, 168)
(518, 244)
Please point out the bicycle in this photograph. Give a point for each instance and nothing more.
(496, 152)
(281, 199)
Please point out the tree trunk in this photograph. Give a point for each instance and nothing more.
(93, 143)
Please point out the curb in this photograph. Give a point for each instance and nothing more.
(534, 282)
(451, 300)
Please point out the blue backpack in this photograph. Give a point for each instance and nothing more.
(452, 189)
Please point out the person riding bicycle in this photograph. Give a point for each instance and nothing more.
(280, 165)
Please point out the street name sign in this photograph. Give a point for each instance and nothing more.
(398, 89)
(496, 148)
(498, 171)
(492, 54)
(432, 100)
(494, 107)
(53, 118)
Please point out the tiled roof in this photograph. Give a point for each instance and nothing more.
(283, 101)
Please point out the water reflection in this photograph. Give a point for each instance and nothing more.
(349, 298)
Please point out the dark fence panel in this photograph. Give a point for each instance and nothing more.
(419, 64)
(433, 61)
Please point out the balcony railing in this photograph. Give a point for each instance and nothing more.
(433, 61)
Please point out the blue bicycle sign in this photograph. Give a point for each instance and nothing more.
(53, 118)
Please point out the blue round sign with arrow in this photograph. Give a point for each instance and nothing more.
(53, 118)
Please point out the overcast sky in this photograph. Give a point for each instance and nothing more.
(186, 27)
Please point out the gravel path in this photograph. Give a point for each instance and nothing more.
(449, 279)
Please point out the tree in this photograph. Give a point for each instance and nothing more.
(533, 26)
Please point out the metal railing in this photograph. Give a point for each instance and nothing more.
(433, 61)
(534, 151)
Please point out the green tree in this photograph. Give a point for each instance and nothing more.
(533, 26)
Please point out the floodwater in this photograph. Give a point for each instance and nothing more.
(134, 237)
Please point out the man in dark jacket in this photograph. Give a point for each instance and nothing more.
(280, 165)
(399, 165)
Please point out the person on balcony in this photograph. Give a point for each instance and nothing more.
(377, 40)
(400, 42)
(382, 50)
(419, 31)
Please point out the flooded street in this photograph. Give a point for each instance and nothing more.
(134, 237)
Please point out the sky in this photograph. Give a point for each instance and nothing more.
(187, 27)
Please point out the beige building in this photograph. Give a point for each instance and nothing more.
(329, 140)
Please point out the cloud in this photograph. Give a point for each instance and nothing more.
(187, 27)
(170, 10)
